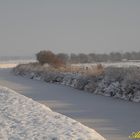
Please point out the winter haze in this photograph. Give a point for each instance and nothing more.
(69, 26)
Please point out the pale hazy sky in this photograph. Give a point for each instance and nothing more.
(27, 26)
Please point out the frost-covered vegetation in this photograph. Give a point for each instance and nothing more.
(22, 118)
(116, 82)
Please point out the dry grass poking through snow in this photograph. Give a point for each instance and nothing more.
(93, 70)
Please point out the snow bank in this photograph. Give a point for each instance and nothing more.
(114, 82)
(22, 118)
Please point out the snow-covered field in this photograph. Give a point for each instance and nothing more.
(8, 65)
(21, 118)
(110, 64)
(13, 63)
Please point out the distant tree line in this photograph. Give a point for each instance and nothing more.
(63, 58)
(93, 57)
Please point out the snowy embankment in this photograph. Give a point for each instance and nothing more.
(115, 82)
(24, 119)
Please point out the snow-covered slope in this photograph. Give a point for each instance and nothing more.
(21, 118)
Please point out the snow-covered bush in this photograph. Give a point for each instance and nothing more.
(92, 83)
(80, 82)
(67, 80)
(112, 89)
(131, 84)
(121, 82)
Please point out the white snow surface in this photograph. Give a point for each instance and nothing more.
(4, 66)
(21, 118)
(13, 63)
(110, 64)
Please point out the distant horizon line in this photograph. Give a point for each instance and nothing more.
(33, 55)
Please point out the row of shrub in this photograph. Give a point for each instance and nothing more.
(121, 83)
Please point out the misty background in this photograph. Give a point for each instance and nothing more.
(69, 26)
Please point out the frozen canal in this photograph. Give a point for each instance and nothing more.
(114, 119)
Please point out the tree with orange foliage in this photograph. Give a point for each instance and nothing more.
(50, 58)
